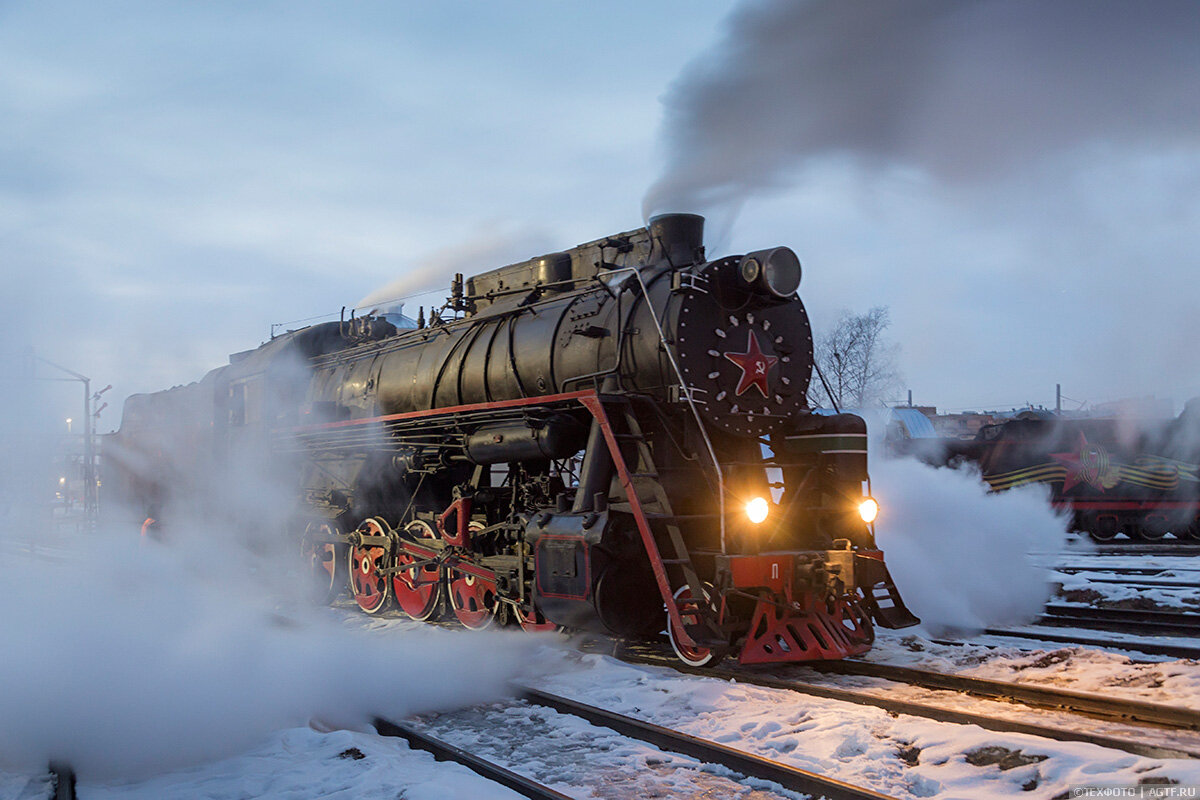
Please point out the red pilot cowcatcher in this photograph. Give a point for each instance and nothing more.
(792, 623)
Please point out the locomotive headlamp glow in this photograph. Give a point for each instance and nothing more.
(868, 509)
(772, 273)
(757, 510)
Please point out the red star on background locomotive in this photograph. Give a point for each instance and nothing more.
(755, 366)
(1088, 463)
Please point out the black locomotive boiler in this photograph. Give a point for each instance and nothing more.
(583, 439)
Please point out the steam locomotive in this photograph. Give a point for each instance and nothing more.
(1110, 475)
(615, 437)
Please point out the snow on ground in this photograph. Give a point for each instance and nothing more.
(128, 662)
(1169, 742)
(1092, 582)
(904, 756)
(1083, 588)
(1085, 554)
(302, 763)
(1153, 679)
(583, 760)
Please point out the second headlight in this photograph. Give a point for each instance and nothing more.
(758, 509)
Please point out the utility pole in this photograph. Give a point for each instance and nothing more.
(1058, 399)
(89, 445)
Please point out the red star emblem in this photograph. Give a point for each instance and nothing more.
(1087, 463)
(754, 365)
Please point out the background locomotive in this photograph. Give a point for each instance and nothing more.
(1111, 475)
(582, 439)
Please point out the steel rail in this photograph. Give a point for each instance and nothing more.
(1180, 618)
(1143, 549)
(936, 713)
(1147, 571)
(1117, 625)
(1087, 703)
(1121, 620)
(1150, 648)
(793, 778)
(444, 751)
(1133, 580)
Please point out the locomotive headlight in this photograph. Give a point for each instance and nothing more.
(773, 273)
(868, 509)
(757, 510)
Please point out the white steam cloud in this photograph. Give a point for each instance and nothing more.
(124, 657)
(959, 90)
(129, 660)
(962, 558)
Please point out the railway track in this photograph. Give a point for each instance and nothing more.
(1145, 582)
(444, 751)
(1160, 648)
(1149, 577)
(1146, 549)
(1136, 727)
(704, 751)
(1147, 571)
(1122, 620)
(1085, 703)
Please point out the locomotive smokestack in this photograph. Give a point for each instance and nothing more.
(677, 238)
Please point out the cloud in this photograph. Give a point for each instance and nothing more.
(1018, 181)
(961, 90)
(174, 179)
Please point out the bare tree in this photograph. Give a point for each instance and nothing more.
(858, 363)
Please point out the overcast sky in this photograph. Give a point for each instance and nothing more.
(176, 177)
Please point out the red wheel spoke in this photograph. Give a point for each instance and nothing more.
(321, 557)
(370, 588)
(417, 591)
(473, 600)
(689, 615)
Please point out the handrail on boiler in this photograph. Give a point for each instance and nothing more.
(683, 387)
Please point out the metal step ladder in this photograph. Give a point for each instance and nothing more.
(657, 509)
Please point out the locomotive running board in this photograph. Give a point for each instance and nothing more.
(447, 411)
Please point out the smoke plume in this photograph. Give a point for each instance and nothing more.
(961, 91)
(488, 250)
